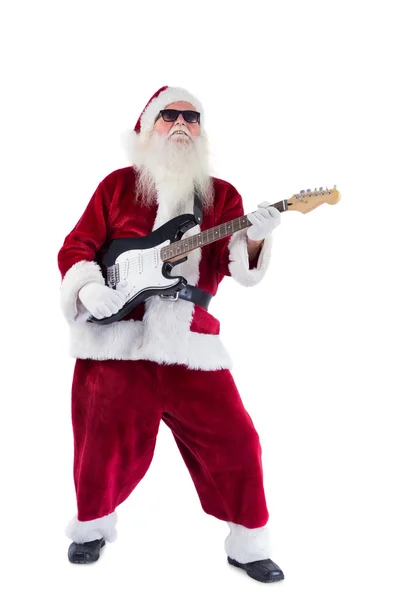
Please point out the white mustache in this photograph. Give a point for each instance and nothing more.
(180, 128)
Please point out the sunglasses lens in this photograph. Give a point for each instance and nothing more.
(190, 116)
(169, 115)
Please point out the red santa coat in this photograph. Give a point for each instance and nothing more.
(158, 330)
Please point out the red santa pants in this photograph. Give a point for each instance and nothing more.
(117, 406)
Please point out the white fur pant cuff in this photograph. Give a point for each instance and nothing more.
(87, 531)
(247, 545)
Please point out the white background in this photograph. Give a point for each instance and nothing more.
(296, 95)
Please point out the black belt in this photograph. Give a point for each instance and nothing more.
(192, 294)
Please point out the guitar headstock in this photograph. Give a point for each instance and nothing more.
(307, 200)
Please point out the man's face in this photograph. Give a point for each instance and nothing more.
(177, 130)
(174, 162)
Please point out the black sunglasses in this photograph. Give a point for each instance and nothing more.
(170, 115)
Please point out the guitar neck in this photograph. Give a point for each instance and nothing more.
(209, 236)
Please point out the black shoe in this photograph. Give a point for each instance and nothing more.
(85, 553)
(262, 570)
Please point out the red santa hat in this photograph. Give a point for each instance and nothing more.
(162, 98)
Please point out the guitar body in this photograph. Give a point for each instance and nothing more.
(133, 265)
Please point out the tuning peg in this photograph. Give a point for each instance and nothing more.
(329, 191)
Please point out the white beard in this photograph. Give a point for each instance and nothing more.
(170, 170)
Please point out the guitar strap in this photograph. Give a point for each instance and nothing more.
(197, 209)
(191, 292)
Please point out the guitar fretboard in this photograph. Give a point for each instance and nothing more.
(209, 236)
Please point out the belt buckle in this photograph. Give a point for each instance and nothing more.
(169, 297)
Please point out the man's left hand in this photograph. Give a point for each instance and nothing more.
(264, 220)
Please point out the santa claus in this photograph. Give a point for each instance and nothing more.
(164, 360)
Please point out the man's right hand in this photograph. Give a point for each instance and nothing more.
(100, 300)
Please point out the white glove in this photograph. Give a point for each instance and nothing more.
(100, 300)
(264, 220)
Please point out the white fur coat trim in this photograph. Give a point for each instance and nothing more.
(76, 277)
(247, 545)
(239, 259)
(166, 325)
(87, 531)
(164, 343)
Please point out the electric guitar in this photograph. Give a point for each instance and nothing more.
(141, 267)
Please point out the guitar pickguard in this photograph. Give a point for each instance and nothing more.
(140, 270)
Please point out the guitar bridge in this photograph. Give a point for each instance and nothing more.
(113, 276)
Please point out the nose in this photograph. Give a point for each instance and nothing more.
(180, 120)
